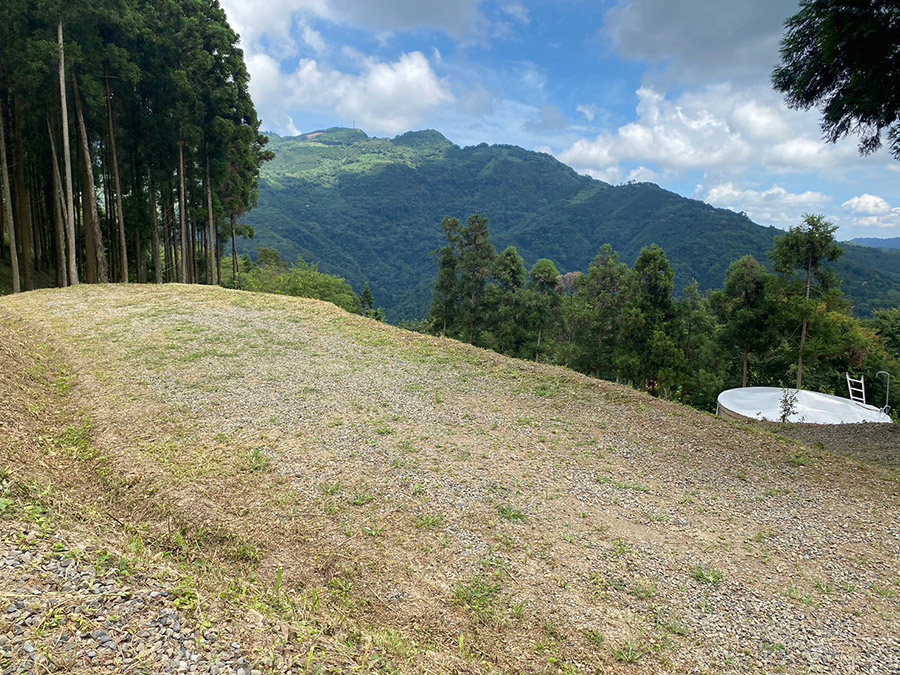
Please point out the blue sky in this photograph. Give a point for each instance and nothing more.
(670, 91)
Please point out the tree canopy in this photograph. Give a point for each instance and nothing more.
(132, 138)
(842, 56)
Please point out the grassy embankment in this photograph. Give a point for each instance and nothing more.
(408, 502)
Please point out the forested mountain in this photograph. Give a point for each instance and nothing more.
(877, 242)
(129, 145)
(370, 209)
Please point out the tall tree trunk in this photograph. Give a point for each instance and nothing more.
(211, 237)
(7, 206)
(67, 159)
(805, 323)
(90, 243)
(59, 201)
(22, 203)
(138, 272)
(234, 261)
(746, 359)
(120, 213)
(182, 216)
(91, 195)
(218, 258)
(154, 231)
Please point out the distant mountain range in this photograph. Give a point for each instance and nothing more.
(892, 242)
(370, 209)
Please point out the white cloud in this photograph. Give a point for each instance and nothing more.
(255, 20)
(313, 39)
(872, 211)
(719, 130)
(669, 134)
(589, 110)
(516, 11)
(868, 205)
(773, 206)
(383, 98)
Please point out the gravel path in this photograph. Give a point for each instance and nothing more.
(66, 607)
(497, 514)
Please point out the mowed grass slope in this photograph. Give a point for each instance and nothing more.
(391, 501)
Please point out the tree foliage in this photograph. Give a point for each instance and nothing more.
(628, 325)
(165, 143)
(841, 55)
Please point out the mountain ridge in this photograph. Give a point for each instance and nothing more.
(369, 209)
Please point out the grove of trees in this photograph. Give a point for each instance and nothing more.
(129, 145)
(625, 324)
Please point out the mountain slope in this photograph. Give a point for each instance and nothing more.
(370, 209)
(383, 499)
(889, 242)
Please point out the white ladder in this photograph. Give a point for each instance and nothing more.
(857, 389)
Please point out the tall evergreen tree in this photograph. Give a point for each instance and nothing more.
(806, 248)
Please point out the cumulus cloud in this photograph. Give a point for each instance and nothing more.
(383, 98)
(670, 135)
(698, 39)
(866, 204)
(872, 211)
(719, 130)
(773, 206)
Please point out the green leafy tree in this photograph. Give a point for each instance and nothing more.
(591, 315)
(700, 380)
(466, 266)
(367, 303)
(506, 332)
(746, 307)
(806, 248)
(652, 357)
(540, 301)
(841, 55)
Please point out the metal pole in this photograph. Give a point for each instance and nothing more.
(887, 396)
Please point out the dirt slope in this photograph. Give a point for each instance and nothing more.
(386, 500)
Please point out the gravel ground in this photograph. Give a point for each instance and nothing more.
(66, 607)
(875, 443)
(615, 529)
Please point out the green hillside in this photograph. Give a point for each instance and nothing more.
(369, 209)
(877, 242)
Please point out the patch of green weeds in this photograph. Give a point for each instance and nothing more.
(707, 575)
(509, 513)
(428, 521)
(373, 531)
(799, 459)
(259, 461)
(362, 498)
(594, 637)
(76, 438)
(331, 488)
(630, 652)
(642, 591)
(794, 592)
(478, 594)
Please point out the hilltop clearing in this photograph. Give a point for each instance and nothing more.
(325, 491)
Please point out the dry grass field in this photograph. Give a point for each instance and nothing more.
(338, 495)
